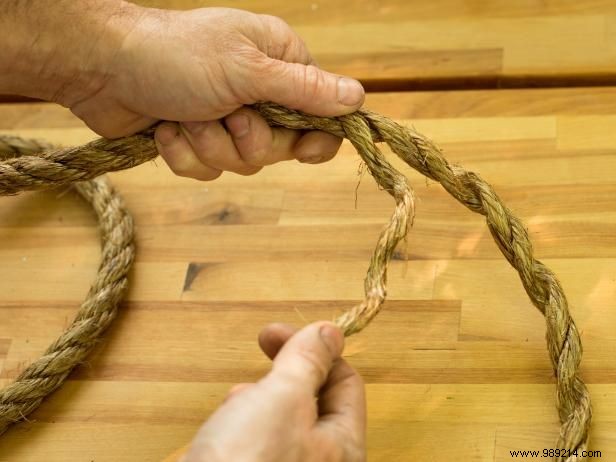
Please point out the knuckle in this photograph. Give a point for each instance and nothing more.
(179, 163)
(311, 81)
(210, 175)
(287, 45)
(248, 170)
(275, 21)
(207, 152)
(347, 373)
(175, 165)
(254, 157)
(278, 29)
(354, 453)
(314, 361)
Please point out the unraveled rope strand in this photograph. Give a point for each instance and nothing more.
(542, 286)
(364, 129)
(356, 129)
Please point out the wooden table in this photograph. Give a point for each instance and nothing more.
(458, 352)
(404, 44)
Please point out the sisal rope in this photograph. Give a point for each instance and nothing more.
(45, 375)
(29, 169)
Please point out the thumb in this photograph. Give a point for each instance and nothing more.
(309, 89)
(309, 355)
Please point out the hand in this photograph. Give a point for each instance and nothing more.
(200, 67)
(278, 418)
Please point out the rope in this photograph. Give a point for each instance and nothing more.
(59, 167)
(45, 375)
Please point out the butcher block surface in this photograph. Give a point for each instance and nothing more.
(455, 365)
(403, 44)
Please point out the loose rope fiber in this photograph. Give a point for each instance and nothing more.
(59, 167)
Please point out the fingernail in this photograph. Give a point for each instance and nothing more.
(350, 92)
(332, 338)
(311, 160)
(167, 134)
(193, 127)
(238, 125)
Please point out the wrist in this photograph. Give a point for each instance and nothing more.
(62, 49)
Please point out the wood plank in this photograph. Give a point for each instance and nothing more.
(467, 413)
(458, 349)
(413, 44)
(402, 105)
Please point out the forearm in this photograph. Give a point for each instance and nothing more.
(57, 50)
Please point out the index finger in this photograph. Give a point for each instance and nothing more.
(342, 403)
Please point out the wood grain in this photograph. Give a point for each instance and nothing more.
(449, 43)
(457, 350)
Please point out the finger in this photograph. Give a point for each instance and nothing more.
(307, 88)
(237, 389)
(291, 78)
(259, 144)
(214, 147)
(308, 356)
(283, 43)
(273, 337)
(316, 147)
(177, 152)
(178, 456)
(342, 402)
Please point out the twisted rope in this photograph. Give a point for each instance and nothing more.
(64, 166)
(47, 374)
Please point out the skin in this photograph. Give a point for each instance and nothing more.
(278, 418)
(121, 68)
(195, 69)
